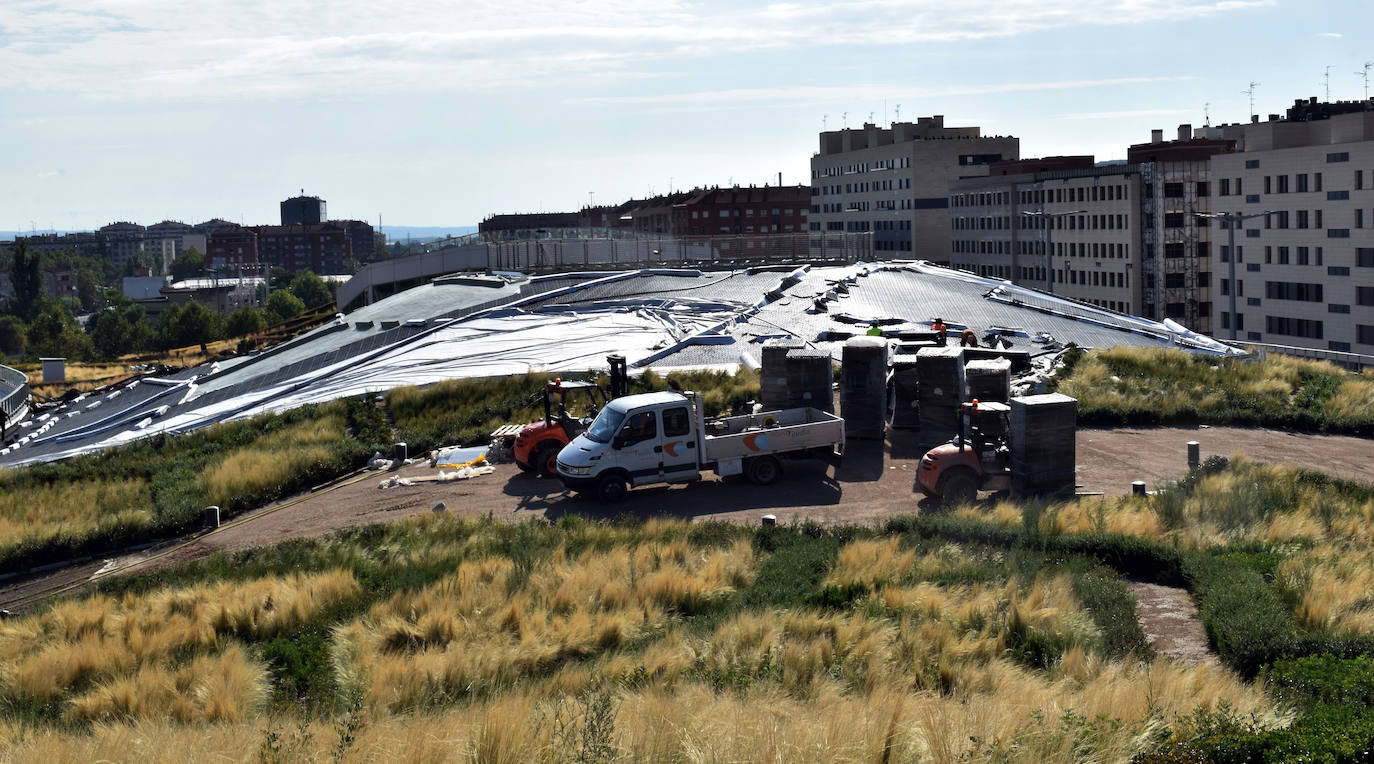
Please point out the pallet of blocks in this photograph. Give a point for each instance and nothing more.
(904, 410)
(1043, 447)
(810, 379)
(989, 380)
(940, 391)
(863, 387)
(773, 372)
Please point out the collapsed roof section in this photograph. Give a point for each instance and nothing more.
(485, 326)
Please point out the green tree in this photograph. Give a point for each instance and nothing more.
(90, 284)
(188, 264)
(312, 290)
(26, 276)
(278, 277)
(243, 321)
(185, 325)
(13, 336)
(282, 305)
(54, 332)
(122, 327)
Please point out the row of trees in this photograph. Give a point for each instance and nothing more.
(33, 325)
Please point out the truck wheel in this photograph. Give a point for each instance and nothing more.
(611, 488)
(958, 486)
(762, 470)
(546, 460)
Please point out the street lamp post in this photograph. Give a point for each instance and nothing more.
(1231, 219)
(1048, 217)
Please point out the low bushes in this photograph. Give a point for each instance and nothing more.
(157, 487)
(1159, 386)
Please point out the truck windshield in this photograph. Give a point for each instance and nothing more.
(605, 427)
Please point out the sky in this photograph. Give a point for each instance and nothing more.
(442, 113)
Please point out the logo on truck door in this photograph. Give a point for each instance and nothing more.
(756, 441)
(671, 448)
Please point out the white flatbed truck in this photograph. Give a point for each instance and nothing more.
(664, 438)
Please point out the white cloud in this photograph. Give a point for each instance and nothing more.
(171, 49)
(1329, 34)
(857, 92)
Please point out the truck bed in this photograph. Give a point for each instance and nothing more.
(772, 433)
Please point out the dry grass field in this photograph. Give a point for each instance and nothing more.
(448, 639)
(995, 632)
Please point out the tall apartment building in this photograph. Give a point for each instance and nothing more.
(1305, 269)
(1176, 243)
(895, 182)
(303, 210)
(1124, 236)
(231, 246)
(999, 225)
(321, 248)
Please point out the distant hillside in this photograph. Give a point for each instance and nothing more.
(421, 234)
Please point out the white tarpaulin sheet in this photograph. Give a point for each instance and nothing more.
(499, 343)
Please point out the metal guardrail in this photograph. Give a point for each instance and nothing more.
(14, 386)
(1356, 361)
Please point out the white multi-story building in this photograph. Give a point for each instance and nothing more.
(1305, 266)
(1089, 216)
(894, 182)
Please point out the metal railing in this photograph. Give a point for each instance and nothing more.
(14, 386)
(1354, 361)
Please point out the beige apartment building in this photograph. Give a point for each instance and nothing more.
(1089, 216)
(894, 182)
(1305, 266)
(1128, 237)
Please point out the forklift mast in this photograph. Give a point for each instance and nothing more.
(620, 378)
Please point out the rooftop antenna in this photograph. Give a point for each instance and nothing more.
(870, 116)
(897, 113)
(824, 119)
(1326, 82)
(1251, 92)
(845, 118)
(591, 198)
(1207, 113)
(1364, 73)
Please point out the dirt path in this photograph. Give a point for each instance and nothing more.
(1171, 624)
(875, 482)
(1109, 459)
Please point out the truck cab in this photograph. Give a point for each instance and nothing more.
(635, 440)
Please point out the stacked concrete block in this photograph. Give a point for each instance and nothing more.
(989, 380)
(810, 379)
(940, 391)
(773, 372)
(1043, 449)
(863, 387)
(905, 408)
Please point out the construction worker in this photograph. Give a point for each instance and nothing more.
(967, 339)
(939, 328)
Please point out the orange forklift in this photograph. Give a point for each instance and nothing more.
(977, 459)
(537, 444)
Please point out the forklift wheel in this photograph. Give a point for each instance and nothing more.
(524, 467)
(546, 461)
(958, 486)
(611, 488)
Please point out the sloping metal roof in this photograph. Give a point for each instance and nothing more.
(701, 319)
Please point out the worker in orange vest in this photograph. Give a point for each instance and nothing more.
(939, 328)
